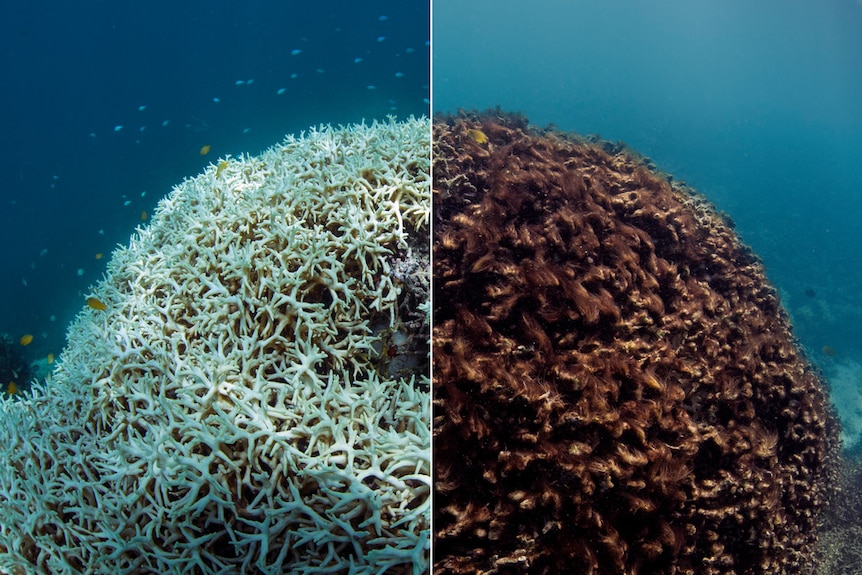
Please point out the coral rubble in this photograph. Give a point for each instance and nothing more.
(229, 406)
(616, 388)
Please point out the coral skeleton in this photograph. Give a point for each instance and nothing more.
(232, 409)
(616, 385)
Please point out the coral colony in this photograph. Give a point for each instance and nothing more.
(229, 399)
(616, 389)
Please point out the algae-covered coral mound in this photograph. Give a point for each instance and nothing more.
(616, 389)
(248, 392)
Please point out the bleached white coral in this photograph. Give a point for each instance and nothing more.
(232, 409)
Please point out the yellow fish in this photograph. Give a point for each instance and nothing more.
(50, 358)
(26, 339)
(99, 256)
(205, 150)
(478, 136)
(96, 304)
(221, 166)
(12, 388)
(144, 215)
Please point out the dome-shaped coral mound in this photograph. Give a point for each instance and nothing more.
(249, 392)
(616, 389)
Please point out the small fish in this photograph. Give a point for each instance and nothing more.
(478, 136)
(221, 167)
(143, 215)
(96, 304)
(26, 339)
(99, 255)
(12, 388)
(205, 150)
(50, 358)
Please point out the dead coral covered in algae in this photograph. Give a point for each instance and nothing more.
(616, 388)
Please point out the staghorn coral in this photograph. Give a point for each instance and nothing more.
(616, 389)
(231, 410)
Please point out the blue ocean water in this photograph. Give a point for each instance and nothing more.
(756, 104)
(107, 105)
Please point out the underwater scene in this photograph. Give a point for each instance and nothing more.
(647, 353)
(214, 336)
(246, 269)
(109, 106)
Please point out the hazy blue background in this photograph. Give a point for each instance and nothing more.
(758, 104)
(72, 71)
